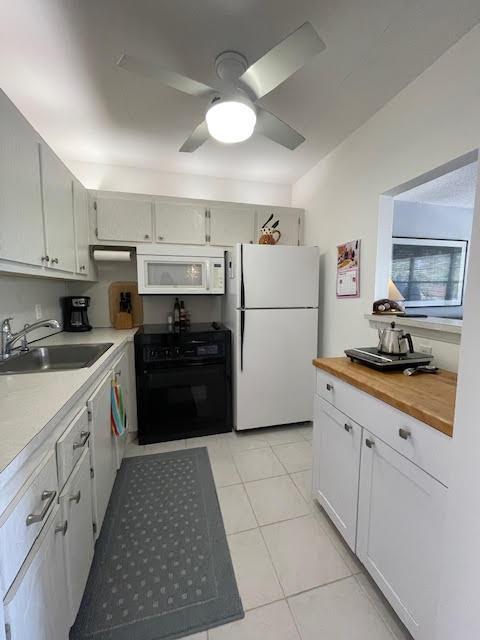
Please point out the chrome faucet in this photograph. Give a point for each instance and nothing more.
(8, 339)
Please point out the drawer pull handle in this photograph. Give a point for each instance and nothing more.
(404, 433)
(118, 373)
(347, 427)
(369, 443)
(329, 387)
(49, 496)
(76, 497)
(62, 528)
(84, 435)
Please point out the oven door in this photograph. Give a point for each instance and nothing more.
(173, 274)
(183, 401)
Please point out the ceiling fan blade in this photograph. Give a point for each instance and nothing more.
(196, 138)
(272, 127)
(283, 60)
(170, 78)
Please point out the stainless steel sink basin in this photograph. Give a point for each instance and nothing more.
(54, 358)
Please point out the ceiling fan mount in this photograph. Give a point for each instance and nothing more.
(232, 114)
(230, 65)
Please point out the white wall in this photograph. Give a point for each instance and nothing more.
(136, 180)
(458, 616)
(203, 308)
(432, 121)
(421, 220)
(19, 295)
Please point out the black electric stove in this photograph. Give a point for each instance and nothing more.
(372, 357)
(184, 381)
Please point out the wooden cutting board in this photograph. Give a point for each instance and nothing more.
(114, 291)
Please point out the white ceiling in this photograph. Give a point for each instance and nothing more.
(57, 63)
(453, 189)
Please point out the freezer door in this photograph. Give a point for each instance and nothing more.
(276, 276)
(274, 381)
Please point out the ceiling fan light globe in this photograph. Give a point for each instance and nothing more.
(231, 121)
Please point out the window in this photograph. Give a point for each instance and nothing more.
(429, 273)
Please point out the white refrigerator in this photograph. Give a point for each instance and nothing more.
(271, 306)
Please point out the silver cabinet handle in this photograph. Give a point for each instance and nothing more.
(45, 259)
(146, 236)
(84, 435)
(118, 373)
(347, 427)
(62, 528)
(160, 237)
(49, 497)
(369, 443)
(54, 260)
(83, 268)
(404, 433)
(76, 497)
(329, 387)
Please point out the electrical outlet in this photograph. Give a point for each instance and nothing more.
(425, 348)
(38, 312)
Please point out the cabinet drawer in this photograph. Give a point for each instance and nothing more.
(420, 443)
(24, 518)
(71, 445)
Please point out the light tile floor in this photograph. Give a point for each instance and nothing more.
(297, 578)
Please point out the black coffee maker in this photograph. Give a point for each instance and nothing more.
(75, 317)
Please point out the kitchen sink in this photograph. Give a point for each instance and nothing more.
(54, 358)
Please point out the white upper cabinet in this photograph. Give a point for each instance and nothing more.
(289, 223)
(57, 211)
(230, 225)
(80, 213)
(124, 220)
(21, 229)
(180, 223)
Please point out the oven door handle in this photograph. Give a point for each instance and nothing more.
(208, 274)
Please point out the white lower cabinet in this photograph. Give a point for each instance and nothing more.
(400, 519)
(389, 509)
(336, 469)
(103, 449)
(36, 605)
(76, 504)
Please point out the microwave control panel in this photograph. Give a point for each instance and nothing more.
(218, 284)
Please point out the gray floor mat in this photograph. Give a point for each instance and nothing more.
(162, 567)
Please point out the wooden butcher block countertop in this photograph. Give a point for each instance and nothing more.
(425, 396)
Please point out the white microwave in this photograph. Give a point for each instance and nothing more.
(179, 270)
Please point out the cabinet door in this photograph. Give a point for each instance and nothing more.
(124, 220)
(288, 223)
(104, 460)
(179, 223)
(80, 217)
(21, 230)
(121, 374)
(57, 211)
(337, 444)
(76, 504)
(36, 605)
(400, 521)
(229, 226)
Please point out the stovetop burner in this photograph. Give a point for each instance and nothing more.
(372, 357)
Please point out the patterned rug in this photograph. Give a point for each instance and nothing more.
(162, 568)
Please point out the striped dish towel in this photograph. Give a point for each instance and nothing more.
(118, 413)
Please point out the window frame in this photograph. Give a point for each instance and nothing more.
(436, 242)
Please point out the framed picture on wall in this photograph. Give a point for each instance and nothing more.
(429, 273)
(348, 269)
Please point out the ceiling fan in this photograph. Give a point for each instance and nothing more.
(232, 114)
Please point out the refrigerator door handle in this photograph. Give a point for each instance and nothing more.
(242, 334)
(242, 283)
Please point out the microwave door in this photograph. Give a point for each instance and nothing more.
(173, 275)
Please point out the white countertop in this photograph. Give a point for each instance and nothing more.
(30, 401)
